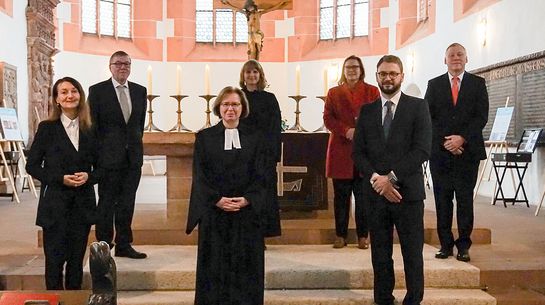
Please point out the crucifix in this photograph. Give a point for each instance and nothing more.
(253, 13)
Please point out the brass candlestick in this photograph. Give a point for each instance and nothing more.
(297, 127)
(322, 128)
(179, 126)
(207, 98)
(151, 127)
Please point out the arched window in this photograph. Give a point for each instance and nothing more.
(343, 18)
(219, 25)
(106, 17)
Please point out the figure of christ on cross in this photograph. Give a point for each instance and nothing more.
(253, 15)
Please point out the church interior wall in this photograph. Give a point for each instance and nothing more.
(164, 38)
(14, 52)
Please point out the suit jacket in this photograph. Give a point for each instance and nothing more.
(467, 118)
(119, 143)
(406, 148)
(52, 156)
(340, 111)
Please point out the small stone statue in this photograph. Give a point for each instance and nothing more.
(103, 274)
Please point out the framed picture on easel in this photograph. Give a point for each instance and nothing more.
(10, 125)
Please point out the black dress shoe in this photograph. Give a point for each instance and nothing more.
(463, 256)
(130, 253)
(442, 254)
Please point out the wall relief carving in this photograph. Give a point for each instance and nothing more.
(41, 48)
(8, 85)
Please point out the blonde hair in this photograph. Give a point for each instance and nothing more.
(249, 65)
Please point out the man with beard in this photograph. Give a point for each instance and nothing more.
(391, 141)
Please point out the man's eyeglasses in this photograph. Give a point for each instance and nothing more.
(227, 105)
(392, 75)
(119, 64)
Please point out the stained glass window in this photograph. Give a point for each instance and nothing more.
(113, 17)
(219, 25)
(89, 16)
(361, 18)
(343, 18)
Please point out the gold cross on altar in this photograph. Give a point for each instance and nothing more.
(281, 169)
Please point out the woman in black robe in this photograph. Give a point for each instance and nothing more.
(265, 117)
(226, 202)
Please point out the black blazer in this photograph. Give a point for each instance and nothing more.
(119, 143)
(467, 118)
(406, 148)
(52, 156)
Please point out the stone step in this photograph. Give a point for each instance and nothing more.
(288, 267)
(432, 296)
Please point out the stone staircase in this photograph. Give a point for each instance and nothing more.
(296, 275)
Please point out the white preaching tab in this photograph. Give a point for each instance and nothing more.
(232, 139)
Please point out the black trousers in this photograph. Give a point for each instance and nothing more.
(343, 189)
(408, 219)
(117, 192)
(64, 248)
(454, 177)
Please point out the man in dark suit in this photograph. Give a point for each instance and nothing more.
(392, 140)
(458, 103)
(118, 109)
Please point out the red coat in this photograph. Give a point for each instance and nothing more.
(340, 112)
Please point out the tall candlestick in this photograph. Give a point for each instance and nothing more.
(150, 88)
(326, 82)
(297, 80)
(178, 85)
(207, 79)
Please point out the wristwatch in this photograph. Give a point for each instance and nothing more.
(393, 179)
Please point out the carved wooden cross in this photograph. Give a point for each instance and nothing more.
(253, 11)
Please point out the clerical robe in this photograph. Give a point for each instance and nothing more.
(230, 259)
(265, 116)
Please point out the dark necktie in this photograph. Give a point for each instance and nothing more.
(387, 119)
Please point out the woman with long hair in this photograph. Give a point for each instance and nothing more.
(62, 158)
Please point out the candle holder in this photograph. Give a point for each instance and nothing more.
(297, 127)
(151, 127)
(207, 98)
(179, 126)
(322, 128)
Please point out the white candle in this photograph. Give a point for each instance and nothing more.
(150, 88)
(178, 84)
(326, 81)
(297, 80)
(207, 79)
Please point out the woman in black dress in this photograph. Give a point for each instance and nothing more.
(226, 203)
(63, 157)
(265, 117)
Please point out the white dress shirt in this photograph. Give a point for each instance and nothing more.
(72, 129)
(394, 99)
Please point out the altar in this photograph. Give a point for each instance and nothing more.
(301, 181)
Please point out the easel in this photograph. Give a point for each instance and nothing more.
(11, 138)
(540, 201)
(7, 168)
(500, 146)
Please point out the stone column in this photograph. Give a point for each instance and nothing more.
(40, 48)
